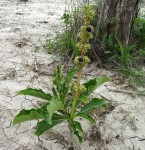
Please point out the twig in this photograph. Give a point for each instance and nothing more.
(126, 92)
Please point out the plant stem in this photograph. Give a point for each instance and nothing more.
(79, 76)
(74, 105)
(76, 94)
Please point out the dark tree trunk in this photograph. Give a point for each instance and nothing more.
(118, 17)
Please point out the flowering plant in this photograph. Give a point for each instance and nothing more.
(63, 104)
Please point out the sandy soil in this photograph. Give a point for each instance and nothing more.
(24, 27)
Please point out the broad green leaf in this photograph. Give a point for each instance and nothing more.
(91, 85)
(93, 104)
(84, 98)
(26, 115)
(36, 93)
(53, 106)
(86, 116)
(77, 129)
(44, 126)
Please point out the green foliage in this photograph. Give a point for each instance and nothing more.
(139, 29)
(86, 116)
(92, 84)
(77, 129)
(54, 111)
(107, 47)
(44, 126)
(36, 93)
(65, 41)
(66, 18)
(62, 104)
(26, 115)
(129, 58)
(136, 76)
(119, 52)
(93, 104)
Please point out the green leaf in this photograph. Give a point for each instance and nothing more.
(91, 85)
(77, 129)
(86, 116)
(44, 126)
(36, 93)
(93, 104)
(84, 98)
(53, 106)
(67, 103)
(58, 117)
(26, 115)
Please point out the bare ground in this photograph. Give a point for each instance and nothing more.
(24, 27)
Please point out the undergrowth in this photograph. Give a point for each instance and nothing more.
(65, 41)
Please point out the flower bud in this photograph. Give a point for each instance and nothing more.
(82, 89)
(76, 60)
(86, 59)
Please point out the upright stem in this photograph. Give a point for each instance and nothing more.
(84, 35)
(74, 105)
(76, 94)
(79, 76)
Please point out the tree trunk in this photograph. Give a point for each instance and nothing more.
(118, 17)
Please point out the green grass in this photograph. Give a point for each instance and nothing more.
(135, 76)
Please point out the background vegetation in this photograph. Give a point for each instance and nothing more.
(108, 51)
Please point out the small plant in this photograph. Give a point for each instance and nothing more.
(118, 51)
(66, 40)
(65, 101)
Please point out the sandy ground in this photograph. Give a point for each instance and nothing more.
(24, 27)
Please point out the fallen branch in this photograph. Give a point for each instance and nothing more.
(141, 93)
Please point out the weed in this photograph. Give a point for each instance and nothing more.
(118, 52)
(136, 76)
(67, 39)
(50, 45)
(64, 104)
